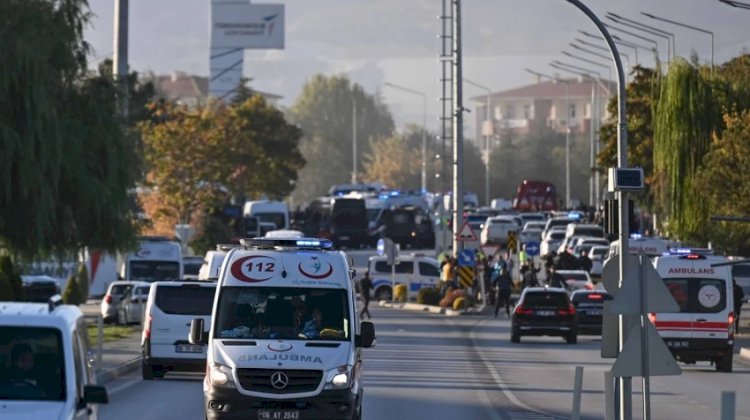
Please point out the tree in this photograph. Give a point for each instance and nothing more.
(12, 276)
(82, 278)
(6, 291)
(397, 160)
(65, 162)
(72, 293)
(685, 117)
(724, 185)
(324, 111)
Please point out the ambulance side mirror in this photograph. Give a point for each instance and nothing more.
(197, 335)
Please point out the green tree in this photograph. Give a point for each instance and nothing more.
(6, 291)
(82, 278)
(72, 293)
(397, 160)
(324, 111)
(65, 163)
(12, 276)
(685, 117)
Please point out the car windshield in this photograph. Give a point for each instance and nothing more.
(282, 313)
(554, 299)
(185, 300)
(557, 235)
(277, 219)
(192, 268)
(154, 270)
(574, 276)
(31, 364)
(698, 295)
(119, 289)
(595, 232)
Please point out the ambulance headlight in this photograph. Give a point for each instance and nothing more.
(339, 378)
(220, 375)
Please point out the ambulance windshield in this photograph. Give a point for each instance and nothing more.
(283, 313)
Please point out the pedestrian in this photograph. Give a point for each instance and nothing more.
(529, 276)
(739, 296)
(446, 274)
(549, 260)
(585, 261)
(365, 286)
(555, 278)
(523, 257)
(504, 284)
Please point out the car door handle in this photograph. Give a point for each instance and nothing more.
(701, 320)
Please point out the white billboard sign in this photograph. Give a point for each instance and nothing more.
(249, 26)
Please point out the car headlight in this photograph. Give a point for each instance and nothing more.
(221, 376)
(339, 378)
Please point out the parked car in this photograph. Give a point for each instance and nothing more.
(170, 308)
(496, 229)
(130, 308)
(551, 240)
(598, 254)
(576, 280)
(589, 306)
(532, 231)
(544, 311)
(112, 298)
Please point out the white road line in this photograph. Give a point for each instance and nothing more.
(500, 382)
(123, 386)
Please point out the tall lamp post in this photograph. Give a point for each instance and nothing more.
(684, 25)
(487, 137)
(424, 128)
(634, 24)
(567, 129)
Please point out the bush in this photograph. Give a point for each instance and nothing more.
(12, 277)
(429, 296)
(399, 293)
(82, 278)
(6, 291)
(458, 304)
(450, 296)
(72, 293)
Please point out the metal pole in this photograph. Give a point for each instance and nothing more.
(488, 151)
(567, 145)
(727, 405)
(99, 342)
(424, 142)
(597, 179)
(646, 384)
(458, 138)
(354, 139)
(120, 54)
(609, 394)
(592, 146)
(577, 389)
(625, 389)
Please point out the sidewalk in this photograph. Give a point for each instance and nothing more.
(119, 357)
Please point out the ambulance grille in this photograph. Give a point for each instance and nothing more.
(259, 380)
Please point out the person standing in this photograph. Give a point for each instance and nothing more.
(504, 286)
(555, 278)
(585, 261)
(523, 257)
(365, 286)
(446, 273)
(739, 296)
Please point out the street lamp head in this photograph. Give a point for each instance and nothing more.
(648, 15)
(614, 15)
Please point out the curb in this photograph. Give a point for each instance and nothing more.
(117, 371)
(745, 353)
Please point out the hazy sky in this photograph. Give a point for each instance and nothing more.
(375, 41)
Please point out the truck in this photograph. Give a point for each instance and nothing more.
(535, 196)
(276, 212)
(156, 258)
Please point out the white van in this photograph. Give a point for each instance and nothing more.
(704, 327)
(45, 365)
(157, 258)
(170, 308)
(284, 341)
(213, 260)
(276, 212)
(415, 270)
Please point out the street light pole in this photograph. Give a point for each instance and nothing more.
(567, 129)
(120, 54)
(354, 139)
(630, 23)
(684, 25)
(424, 128)
(487, 136)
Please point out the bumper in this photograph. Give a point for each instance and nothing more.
(230, 404)
(695, 349)
(592, 325)
(186, 365)
(561, 329)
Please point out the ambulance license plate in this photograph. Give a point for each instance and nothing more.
(278, 414)
(188, 348)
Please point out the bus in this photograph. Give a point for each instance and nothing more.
(535, 196)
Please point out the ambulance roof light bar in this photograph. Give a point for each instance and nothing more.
(689, 251)
(305, 243)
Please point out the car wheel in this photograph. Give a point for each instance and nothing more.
(515, 337)
(147, 371)
(384, 293)
(572, 338)
(724, 364)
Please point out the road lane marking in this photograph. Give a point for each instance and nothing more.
(501, 383)
(122, 387)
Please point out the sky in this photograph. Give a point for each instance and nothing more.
(395, 41)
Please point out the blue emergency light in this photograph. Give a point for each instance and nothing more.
(308, 243)
(635, 236)
(574, 215)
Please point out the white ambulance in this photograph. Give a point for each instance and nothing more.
(285, 339)
(703, 330)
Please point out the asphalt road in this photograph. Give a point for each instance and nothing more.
(431, 367)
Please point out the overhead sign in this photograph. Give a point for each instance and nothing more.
(660, 360)
(532, 248)
(466, 258)
(247, 26)
(466, 233)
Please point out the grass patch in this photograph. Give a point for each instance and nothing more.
(111, 333)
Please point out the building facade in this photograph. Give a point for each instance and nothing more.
(192, 91)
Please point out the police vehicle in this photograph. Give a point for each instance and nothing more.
(284, 341)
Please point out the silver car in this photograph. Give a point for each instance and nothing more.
(112, 298)
(133, 302)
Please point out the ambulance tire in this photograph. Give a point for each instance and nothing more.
(724, 364)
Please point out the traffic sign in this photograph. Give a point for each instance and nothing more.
(512, 241)
(611, 272)
(660, 360)
(657, 297)
(467, 258)
(465, 276)
(532, 248)
(381, 247)
(490, 250)
(466, 233)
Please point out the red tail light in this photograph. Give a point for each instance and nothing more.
(595, 296)
(520, 310)
(730, 325)
(570, 311)
(652, 318)
(147, 327)
(108, 299)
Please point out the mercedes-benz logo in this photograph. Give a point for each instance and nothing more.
(279, 380)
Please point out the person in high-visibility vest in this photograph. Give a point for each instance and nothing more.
(523, 257)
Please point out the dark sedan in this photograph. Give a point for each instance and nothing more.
(589, 309)
(544, 311)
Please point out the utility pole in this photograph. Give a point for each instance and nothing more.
(458, 137)
(120, 55)
(354, 139)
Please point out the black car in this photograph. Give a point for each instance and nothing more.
(544, 311)
(589, 306)
(408, 226)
